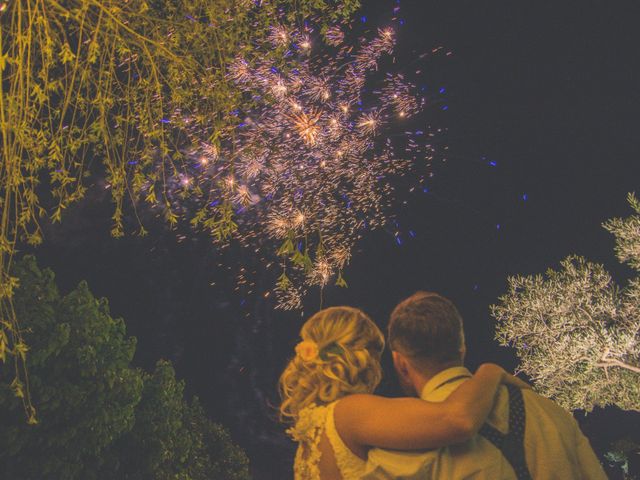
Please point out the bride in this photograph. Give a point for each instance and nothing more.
(326, 397)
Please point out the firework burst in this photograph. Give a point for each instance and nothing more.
(309, 169)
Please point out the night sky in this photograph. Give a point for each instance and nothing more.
(542, 111)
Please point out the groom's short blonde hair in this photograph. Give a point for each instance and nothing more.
(427, 326)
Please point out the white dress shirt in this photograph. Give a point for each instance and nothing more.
(555, 448)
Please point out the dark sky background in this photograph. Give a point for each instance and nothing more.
(548, 91)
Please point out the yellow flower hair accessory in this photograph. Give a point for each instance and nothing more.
(307, 350)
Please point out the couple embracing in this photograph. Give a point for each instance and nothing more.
(454, 425)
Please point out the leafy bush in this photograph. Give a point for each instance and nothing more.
(100, 418)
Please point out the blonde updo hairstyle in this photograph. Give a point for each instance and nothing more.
(347, 360)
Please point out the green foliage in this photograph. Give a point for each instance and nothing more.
(217, 456)
(79, 375)
(618, 456)
(107, 87)
(158, 430)
(340, 281)
(576, 333)
(172, 439)
(627, 233)
(99, 418)
(111, 89)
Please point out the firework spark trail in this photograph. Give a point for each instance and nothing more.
(309, 168)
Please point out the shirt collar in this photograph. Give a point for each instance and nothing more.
(443, 377)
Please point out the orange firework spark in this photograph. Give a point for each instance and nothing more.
(307, 126)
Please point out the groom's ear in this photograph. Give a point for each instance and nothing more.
(402, 366)
(463, 350)
(400, 363)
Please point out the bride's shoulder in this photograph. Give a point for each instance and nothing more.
(310, 420)
(355, 401)
(353, 410)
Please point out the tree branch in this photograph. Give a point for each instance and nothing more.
(605, 362)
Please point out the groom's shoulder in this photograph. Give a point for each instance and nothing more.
(540, 407)
(535, 400)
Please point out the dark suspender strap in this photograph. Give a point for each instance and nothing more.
(512, 444)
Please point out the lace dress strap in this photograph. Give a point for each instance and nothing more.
(350, 465)
(308, 432)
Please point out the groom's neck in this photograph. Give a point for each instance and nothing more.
(427, 370)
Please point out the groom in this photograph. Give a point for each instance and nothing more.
(526, 436)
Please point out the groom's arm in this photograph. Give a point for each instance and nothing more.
(412, 424)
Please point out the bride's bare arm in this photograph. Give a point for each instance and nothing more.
(411, 423)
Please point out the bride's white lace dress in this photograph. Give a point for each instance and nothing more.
(312, 422)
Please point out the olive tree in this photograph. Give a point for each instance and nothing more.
(576, 333)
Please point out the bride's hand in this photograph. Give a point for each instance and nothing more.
(505, 377)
